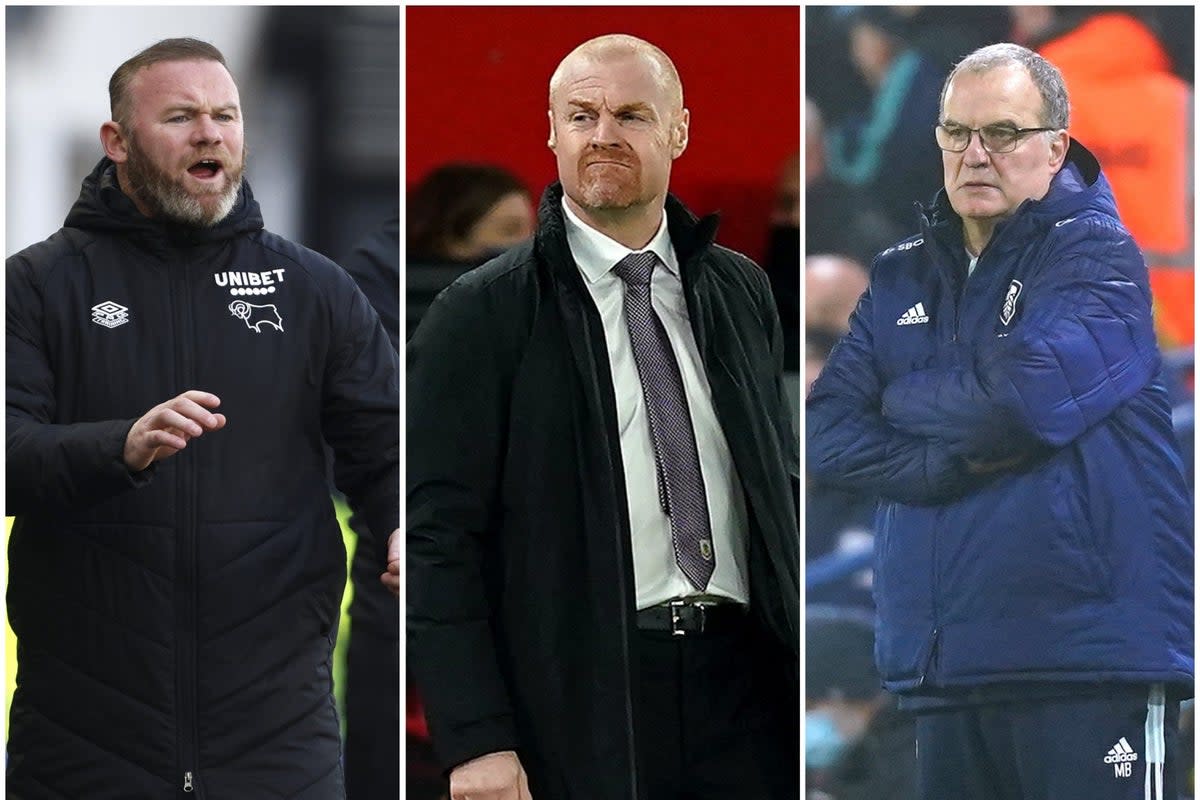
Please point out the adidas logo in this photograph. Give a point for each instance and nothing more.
(1121, 751)
(914, 316)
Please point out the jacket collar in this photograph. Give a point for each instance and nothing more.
(1079, 186)
(690, 236)
(597, 254)
(102, 206)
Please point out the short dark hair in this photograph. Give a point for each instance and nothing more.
(167, 50)
(444, 206)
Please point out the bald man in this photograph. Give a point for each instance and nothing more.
(603, 591)
(832, 286)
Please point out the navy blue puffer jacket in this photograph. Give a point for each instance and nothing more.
(1075, 564)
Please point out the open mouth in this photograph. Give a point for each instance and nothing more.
(205, 169)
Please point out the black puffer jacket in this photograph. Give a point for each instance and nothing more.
(176, 627)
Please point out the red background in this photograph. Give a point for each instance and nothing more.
(477, 83)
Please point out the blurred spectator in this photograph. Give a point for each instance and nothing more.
(818, 343)
(857, 746)
(837, 218)
(1135, 115)
(836, 520)
(787, 195)
(460, 216)
(782, 262)
(889, 153)
(372, 750)
(834, 85)
(467, 213)
(832, 286)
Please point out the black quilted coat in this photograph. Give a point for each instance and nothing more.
(176, 626)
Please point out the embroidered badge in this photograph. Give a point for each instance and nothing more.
(1010, 303)
(256, 316)
(110, 314)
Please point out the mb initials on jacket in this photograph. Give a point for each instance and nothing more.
(914, 316)
(1120, 756)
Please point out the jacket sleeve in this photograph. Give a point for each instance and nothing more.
(785, 421)
(850, 444)
(360, 412)
(457, 400)
(51, 467)
(1083, 347)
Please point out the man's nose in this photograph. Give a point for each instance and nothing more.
(206, 130)
(607, 131)
(975, 155)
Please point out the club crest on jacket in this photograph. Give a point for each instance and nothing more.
(256, 316)
(1010, 302)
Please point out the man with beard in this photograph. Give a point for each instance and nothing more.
(603, 551)
(176, 573)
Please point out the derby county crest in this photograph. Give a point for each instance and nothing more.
(1010, 303)
(256, 316)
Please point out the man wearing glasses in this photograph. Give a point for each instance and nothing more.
(1001, 391)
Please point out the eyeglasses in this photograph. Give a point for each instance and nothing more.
(995, 138)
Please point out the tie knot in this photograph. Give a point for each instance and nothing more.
(635, 268)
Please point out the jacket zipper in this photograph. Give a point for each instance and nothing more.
(930, 664)
(185, 593)
(962, 300)
(930, 660)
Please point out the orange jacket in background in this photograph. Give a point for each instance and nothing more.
(1135, 115)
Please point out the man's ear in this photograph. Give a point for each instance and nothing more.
(1058, 149)
(551, 141)
(679, 133)
(115, 142)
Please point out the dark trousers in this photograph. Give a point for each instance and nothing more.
(372, 717)
(716, 718)
(1047, 749)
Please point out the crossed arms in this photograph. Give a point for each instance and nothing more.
(1083, 347)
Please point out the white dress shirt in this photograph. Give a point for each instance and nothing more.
(657, 576)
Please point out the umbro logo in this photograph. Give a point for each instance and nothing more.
(110, 314)
(1120, 755)
(914, 316)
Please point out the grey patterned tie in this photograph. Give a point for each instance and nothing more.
(676, 461)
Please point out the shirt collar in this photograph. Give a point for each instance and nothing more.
(596, 254)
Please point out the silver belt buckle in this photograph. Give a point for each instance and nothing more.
(676, 619)
(701, 608)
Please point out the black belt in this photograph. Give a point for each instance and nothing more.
(686, 617)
